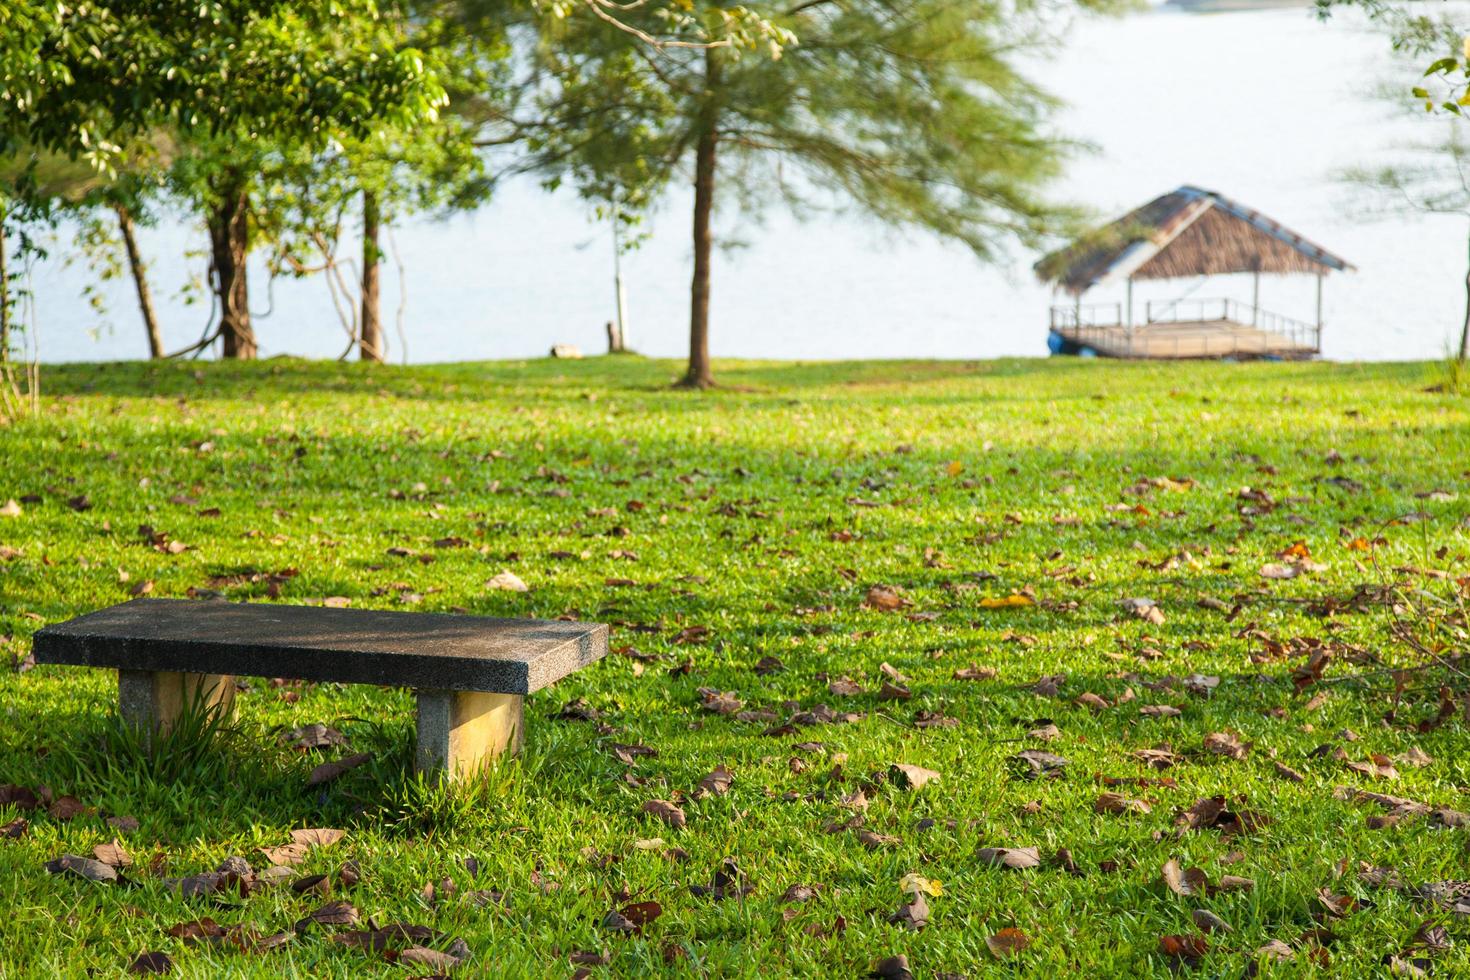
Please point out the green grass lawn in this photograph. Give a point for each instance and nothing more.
(721, 530)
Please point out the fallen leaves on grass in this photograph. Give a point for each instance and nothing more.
(885, 598)
(719, 702)
(1012, 858)
(1145, 609)
(911, 777)
(1183, 882)
(914, 882)
(152, 963)
(338, 913)
(424, 956)
(285, 854)
(1276, 951)
(727, 881)
(317, 836)
(1034, 763)
(1007, 942)
(1208, 922)
(630, 919)
(717, 783)
(328, 771)
(668, 812)
(1187, 949)
(83, 867)
(892, 968)
(313, 736)
(113, 854)
(1015, 600)
(913, 915)
(1117, 803)
(1227, 744)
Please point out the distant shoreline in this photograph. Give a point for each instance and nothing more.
(1230, 6)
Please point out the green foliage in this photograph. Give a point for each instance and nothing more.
(1423, 32)
(82, 80)
(915, 112)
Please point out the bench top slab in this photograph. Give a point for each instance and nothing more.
(352, 646)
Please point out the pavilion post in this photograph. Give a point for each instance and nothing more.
(1319, 311)
(1256, 297)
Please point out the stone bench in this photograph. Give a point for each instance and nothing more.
(470, 674)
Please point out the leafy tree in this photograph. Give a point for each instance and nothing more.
(914, 112)
(432, 169)
(108, 208)
(1425, 34)
(251, 76)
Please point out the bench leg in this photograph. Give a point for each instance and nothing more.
(459, 732)
(154, 700)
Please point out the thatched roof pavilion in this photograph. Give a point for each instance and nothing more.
(1189, 233)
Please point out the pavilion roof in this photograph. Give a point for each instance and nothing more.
(1187, 232)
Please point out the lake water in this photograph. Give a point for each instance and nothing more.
(1263, 106)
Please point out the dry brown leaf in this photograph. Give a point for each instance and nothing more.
(1117, 803)
(1227, 744)
(1007, 942)
(337, 913)
(884, 598)
(113, 854)
(911, 777)
(316, 837)
(285, 854)
(152, 963)
(1278, 951)
(668, 812)
(1209, 922)
(717, 783)
(1013, 858)
(912, 915)
(1187, 948)
(424, 956)
(328, 771)
(83, 867)
(1182, 882)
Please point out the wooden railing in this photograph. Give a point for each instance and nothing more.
(1087, 322)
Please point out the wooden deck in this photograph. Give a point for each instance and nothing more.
(1191, 340)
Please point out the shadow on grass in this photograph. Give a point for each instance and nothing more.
(742, 382)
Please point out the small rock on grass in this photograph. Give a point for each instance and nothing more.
(508, 582)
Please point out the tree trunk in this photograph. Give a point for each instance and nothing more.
(4, 291)
(140, 280)
(229, 241)
(1465, 330)
(699, 374)
(371, 342)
